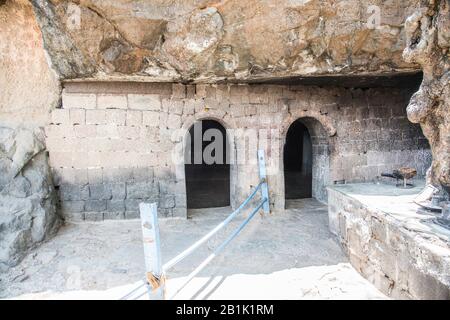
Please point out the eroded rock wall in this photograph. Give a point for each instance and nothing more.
(27, 198)
(207, 40)
(29, 89)
(428, 44)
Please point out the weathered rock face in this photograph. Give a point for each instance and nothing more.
(428, 36)
(29, 89)
(27, 203)
(209, 41)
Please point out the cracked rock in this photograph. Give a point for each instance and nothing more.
(428, 44)
(27, 198)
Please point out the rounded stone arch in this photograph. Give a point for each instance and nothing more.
(321, 131)
(215, 115)
(187, 124)
(191, 120)
(324, 120)
(228, 124)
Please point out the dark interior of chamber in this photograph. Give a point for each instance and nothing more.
(297, 157)
(207, 185)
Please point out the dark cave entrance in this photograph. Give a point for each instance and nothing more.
(207, 168)
(298, 162)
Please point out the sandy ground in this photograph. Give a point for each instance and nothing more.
(290, 255)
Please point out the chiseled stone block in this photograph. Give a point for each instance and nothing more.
(117, 175)
(74, 192)
(85, 130)
(78, 100)
(61, 131)
(144, 101)
(132, 214)
(73, 216)
(107, 131)
(118, 191)
(93, 216)
(150, 118)
(99, 192)
(115, 116)
(61, 159)
(144, 174)
(60, 116)
(113, 215)
(95, 117)
(167, 201)
(95, 205)
(141, 190)
(77, 116)
(72, 206)
(179, 212)
(174, 121)
(132, 205)
(115, 206)
(134, 118)
(178, 90)
(112, 101)
(129, 132)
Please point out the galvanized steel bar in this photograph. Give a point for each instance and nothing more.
(220, 248)
(130, 294)
(152, 249)
(220, 226)
(150, 230)
(192, 248)
(263, 178)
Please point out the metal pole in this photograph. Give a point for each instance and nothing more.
(152, 250)
(192, 248)
(219, 249)
(263, 178)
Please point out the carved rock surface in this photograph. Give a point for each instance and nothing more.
(29, 89)
(205, 40)
(27, 203)
(428, 44)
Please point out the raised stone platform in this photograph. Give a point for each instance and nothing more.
(400, 251)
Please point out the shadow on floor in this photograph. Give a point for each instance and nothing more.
(109, 254)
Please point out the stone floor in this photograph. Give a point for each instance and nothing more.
(290, 255)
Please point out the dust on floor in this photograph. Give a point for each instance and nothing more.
(289, 255)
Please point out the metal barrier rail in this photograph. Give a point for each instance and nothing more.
(155, 271)
(210, 234)
(219, 249)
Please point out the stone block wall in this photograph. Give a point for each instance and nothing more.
(400, 259)
(113, 145)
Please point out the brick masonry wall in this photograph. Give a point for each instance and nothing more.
(111, 144)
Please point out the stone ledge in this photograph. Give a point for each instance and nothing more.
(398, 250)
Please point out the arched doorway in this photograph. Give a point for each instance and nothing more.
(207, 167)
(297, 159)
(306, 160)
